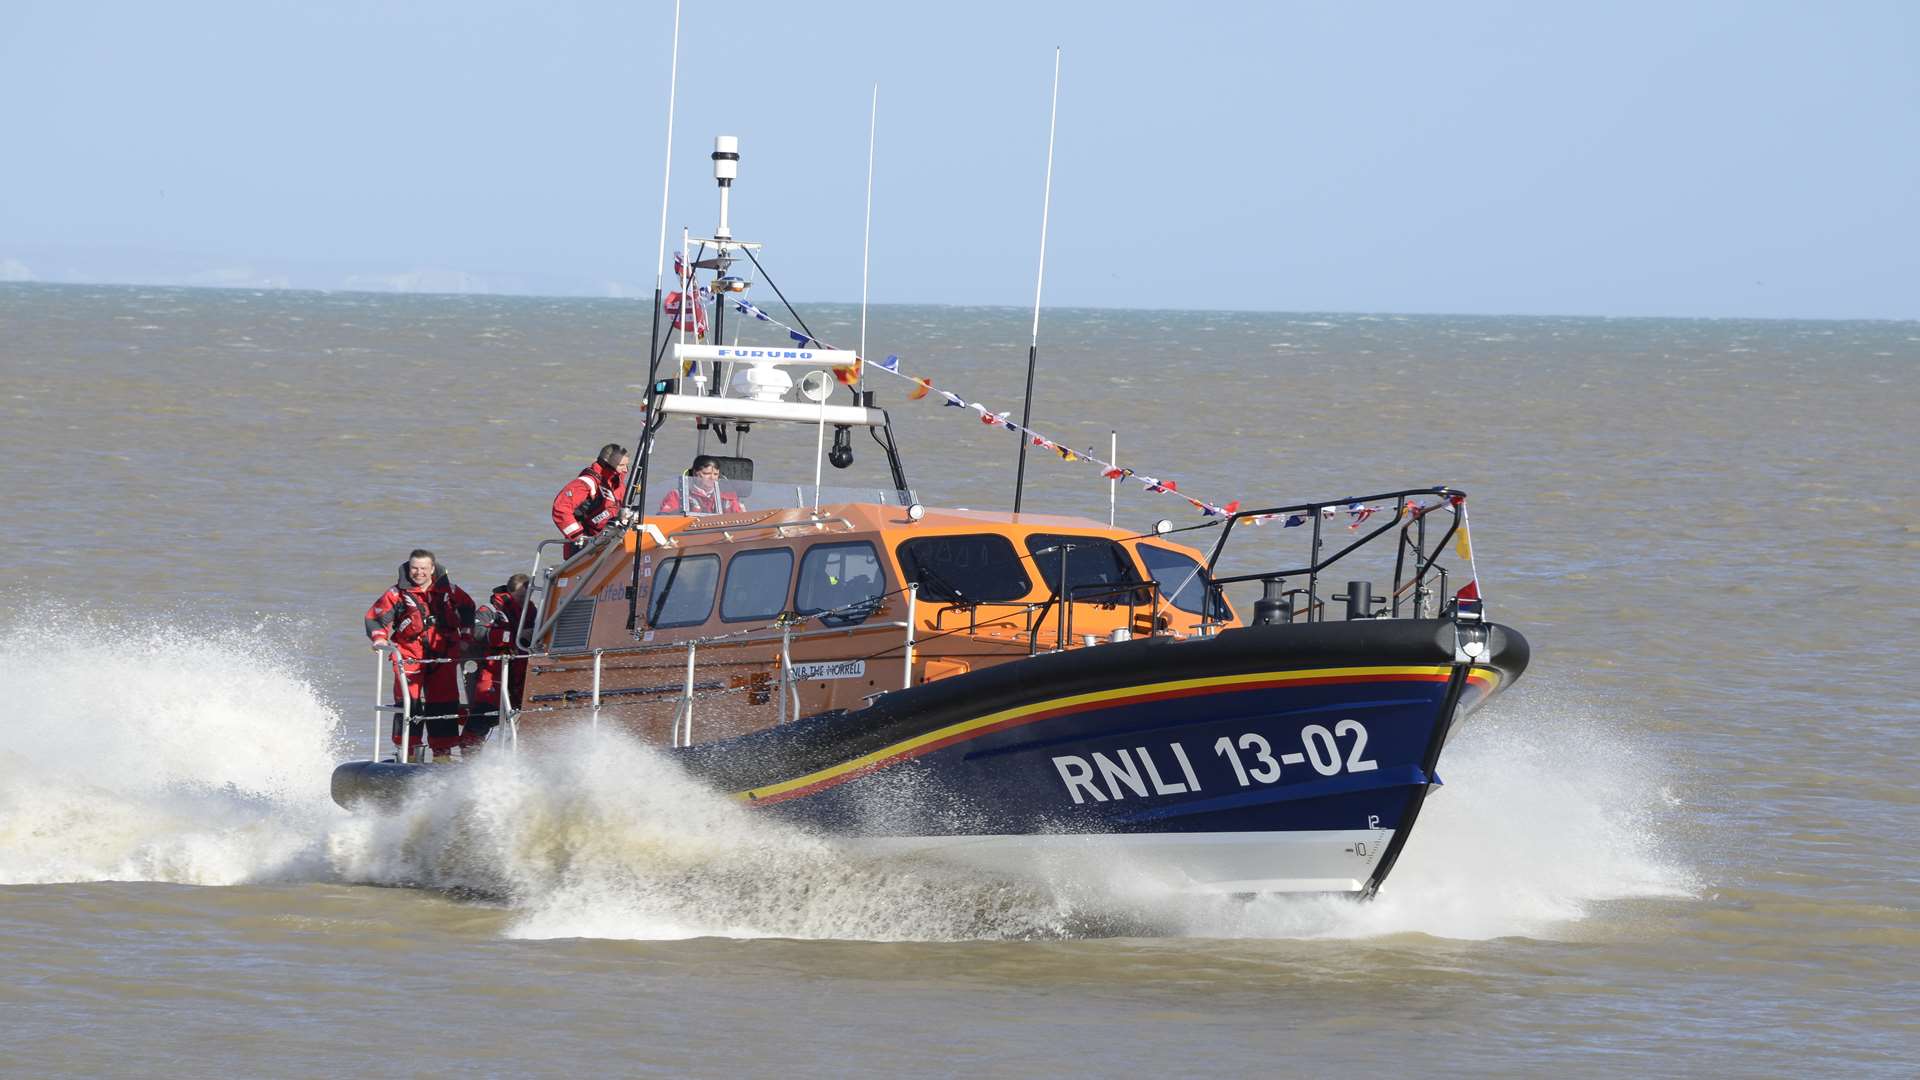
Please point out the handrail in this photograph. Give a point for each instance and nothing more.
(762, 523)
(1415, 562)
(1413, 532)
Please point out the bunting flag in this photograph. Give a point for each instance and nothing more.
(746, 308)
(923, 387)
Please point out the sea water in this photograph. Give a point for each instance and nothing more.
(1678, 846)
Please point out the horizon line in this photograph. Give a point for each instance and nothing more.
(1023, 310)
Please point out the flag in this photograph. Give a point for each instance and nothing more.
(1115, 472)
(920, 389)
(1464, 546)
(1294, 521)
(954, 401)
(850, 374)
(803, 339)
(891, 363)
(1470, 591)
(1066, 453)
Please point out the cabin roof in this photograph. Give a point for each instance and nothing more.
(890, 522)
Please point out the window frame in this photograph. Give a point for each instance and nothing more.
(1041, 566)
(1213, 603)
(900, 553)
(800, 577)
(655, 601)
(786, 594)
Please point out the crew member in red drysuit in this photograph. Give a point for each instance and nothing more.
(425, 618)
(511, 614)
(703, 492)
(591, 501)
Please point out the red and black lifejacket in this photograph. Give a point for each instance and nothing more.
(589, 501)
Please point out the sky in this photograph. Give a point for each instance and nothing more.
(1746, 159)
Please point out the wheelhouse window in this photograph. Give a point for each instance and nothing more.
(842, 579)
(1183, 582)
(683, 591)
(979, 567)
(757, 584)
(1092, 562)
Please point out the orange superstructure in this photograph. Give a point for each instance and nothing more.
(850, 600)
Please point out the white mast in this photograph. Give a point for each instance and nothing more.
(666, 180)
(866, 245)
(1033, 349)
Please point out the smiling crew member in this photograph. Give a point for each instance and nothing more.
(591, 501)
(703, 492)
(424, 617)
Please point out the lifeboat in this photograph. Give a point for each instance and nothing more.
(1029, 694)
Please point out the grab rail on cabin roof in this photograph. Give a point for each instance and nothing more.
(1410, 518)
(818, 524)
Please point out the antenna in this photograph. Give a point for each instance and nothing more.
(866, 245)
(726, 167)
(642, 448)
(1033, 349)
(666, 185)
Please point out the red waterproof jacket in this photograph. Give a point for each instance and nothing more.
(434, 623)
(702, 502)
(589, 501)
(509, 618)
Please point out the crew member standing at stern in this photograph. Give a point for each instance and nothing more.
(425, 618)
(591, 501)
(512, 615)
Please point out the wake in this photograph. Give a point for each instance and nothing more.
(166, 755)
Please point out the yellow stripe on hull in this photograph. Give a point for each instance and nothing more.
(954, 732)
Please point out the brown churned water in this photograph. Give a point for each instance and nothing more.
(1682, 845)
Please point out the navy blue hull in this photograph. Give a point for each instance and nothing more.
(1307, 749)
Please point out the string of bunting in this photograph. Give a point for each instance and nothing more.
(924, 387)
